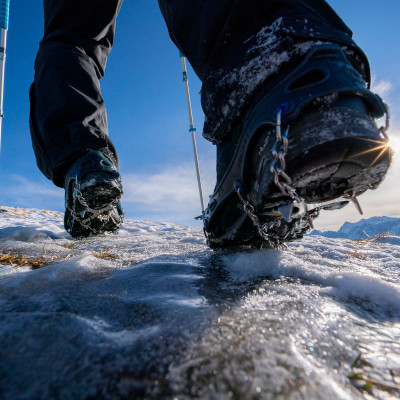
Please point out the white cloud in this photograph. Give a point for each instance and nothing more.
(24, 189)
(381, 87)
(170, 194)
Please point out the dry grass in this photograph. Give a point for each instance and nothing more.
(359, 377)
(372, 239)
(356, 253)
(16, 260)
(8, 257)
(24, 213)
(106, 255)
(75, 245)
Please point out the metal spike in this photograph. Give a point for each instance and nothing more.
(357, 205)
(286, 211)
(309, 219)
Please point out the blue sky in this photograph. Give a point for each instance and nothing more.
(147, 114)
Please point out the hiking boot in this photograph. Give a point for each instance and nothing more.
(93, 191)
(306, 143)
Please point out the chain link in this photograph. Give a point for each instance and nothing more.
(103, 214)
(283, 181)
(278, 164)
(263, 229)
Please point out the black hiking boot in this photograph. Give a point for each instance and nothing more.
(93, 191)
(306, 143)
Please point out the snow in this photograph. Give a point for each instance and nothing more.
(151, 312)
(367, 287)
(88, 183)
(264, 59)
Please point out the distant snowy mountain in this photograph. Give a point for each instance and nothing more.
(363, 229)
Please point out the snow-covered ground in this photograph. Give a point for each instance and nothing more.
(153, 313)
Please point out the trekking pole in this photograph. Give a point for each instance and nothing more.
(192, 129)
(4, 14)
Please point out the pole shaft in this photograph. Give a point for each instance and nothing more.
(192, 129)
(4, 16)
(196, 161)
(3, 42)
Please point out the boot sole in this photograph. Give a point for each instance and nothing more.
(349, 165)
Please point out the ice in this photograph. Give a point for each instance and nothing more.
(25, 234)
(264, 59)
(151, 312)
(90, 182)
(365, 285)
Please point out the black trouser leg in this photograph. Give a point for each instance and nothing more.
(68, 115)
(235, 46)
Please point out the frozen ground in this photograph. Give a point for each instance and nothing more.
(152, 313)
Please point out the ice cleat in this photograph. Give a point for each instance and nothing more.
(308, 143)
(93, 191)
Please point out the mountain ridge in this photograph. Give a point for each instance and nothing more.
(367, 227)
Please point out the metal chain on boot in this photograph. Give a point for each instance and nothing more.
(283, 181)
(263, 229)
(278, 164)
(103, 214)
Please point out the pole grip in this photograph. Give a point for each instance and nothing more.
(4, 13)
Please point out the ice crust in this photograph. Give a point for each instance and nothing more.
(165, 317)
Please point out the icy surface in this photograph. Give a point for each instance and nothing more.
(151, 312)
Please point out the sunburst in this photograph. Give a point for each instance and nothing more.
(380, 147)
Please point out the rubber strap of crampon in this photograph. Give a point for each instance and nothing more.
(94, 161)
